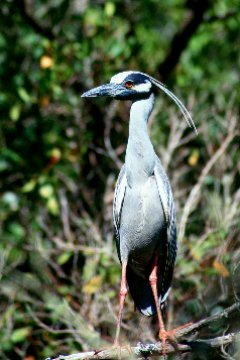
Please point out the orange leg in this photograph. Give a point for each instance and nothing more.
(163, 335)
(123, 293)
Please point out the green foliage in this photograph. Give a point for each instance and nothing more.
(59, 269)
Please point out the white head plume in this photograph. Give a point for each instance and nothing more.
(120, 77)
(182, 108)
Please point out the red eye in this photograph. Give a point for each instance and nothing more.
(128, 84)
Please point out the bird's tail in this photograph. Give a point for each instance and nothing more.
(141, 292)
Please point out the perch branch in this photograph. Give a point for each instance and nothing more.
(140, 351)
(143, 351)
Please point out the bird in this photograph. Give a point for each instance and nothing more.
(144, 213)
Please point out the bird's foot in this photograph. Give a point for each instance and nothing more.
(165, 336)
(171, 337)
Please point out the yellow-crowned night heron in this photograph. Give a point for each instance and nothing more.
(143, 209)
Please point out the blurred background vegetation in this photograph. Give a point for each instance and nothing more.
(60, 157)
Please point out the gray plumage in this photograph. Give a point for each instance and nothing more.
(143, 209)
(144, 214)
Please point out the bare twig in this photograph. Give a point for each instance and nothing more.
(209, 320)
(65, 216)
(82, 248)
(48, 328)
(175, 136)
(111, 111)
(193, 197)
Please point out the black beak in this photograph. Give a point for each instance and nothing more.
(109, 90)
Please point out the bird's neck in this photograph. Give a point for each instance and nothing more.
(140, 155)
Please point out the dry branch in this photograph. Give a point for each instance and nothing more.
(140, 351)
(193, 197)
(143, 351)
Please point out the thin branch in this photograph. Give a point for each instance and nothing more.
(48, 328)
(111, 111)
(209, 320)
(193, 197)
(65, 216)
(82, 248)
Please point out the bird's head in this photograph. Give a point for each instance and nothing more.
(134, 86)
(127, 85)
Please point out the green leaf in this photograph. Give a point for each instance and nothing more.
(3, 165)
(89, 269)
(46, 191)
(19, 335)
(11, 200)
(64, 257)
(93, 285)
(16, 230)
(29, 186)
(24, 96)
(15, 112)
(52, 205)
(110, 8)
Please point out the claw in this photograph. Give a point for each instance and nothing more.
(169, 336)
(163, 337)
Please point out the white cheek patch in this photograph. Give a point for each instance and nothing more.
(119, 78)
(144, 87)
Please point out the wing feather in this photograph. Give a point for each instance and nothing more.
(117, 205)
(170, 251)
